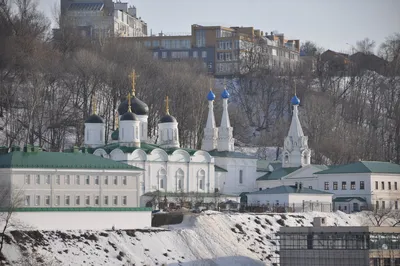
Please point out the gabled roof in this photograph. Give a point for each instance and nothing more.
(230, 154)
(347, 199)
(289, 190)
(219, 169)
(363, 167)
(75, 160)
(278, 174)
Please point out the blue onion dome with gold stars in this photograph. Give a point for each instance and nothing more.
(225, 94)
(210, 96)
(295, 100)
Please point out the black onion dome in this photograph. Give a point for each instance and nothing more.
(167, 119)
(94, 119)
(128, 116)
(138, 107)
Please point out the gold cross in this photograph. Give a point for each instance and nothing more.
(166, 105)
(224, 83)
(210, 80)
(129, 103)
(295, 88)
(116, 119)
(133, 76)
(94, 106)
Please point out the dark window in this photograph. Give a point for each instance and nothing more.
(344, 184)
(383, 185)
(240, 176)
(395, 185)
(353, 185)
(389, 185)
(335, 185)
(326, 185)
(376, 185)
(377, 205)
(386, 262)
(383, 204)
(362, 186)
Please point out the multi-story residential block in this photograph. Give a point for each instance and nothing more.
(344, 245)
(222, 48)
(102, 18)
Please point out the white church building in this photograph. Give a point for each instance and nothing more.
(215, 173)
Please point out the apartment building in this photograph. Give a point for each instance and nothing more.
(102, 18)
(344, 245)
(223, 48)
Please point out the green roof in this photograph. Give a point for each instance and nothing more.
(262, 166)
(363, 167)
(219, 169)
(278, 174)
(146, 147)
(73, 160)
(230, 154)
(289, 190)
(347, 199)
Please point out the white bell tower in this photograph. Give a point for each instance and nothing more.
(225, 141)
(209, 142)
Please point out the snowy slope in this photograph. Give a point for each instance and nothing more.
(210, 238)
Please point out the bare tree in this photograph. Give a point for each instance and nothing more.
(365, 46)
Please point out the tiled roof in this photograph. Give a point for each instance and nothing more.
(289, 190)
(278, 174)
(86, 7)
(73, 160)
(347, 199)
(364, 167)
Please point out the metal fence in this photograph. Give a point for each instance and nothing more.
(306, 206)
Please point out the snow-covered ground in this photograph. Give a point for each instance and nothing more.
(209, 238)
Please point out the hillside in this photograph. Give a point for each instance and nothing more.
(210, 238)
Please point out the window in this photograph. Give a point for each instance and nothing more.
(47, 200)
(115, 200)
(383, 204)
(161, 183)
(181, 54)
(38, 179)
(156, 43)
(240, 176)
(67, 180)
(386, 262)
(147, 43)
(106, 180)
(310, 187)
(77, 180)
(201, 184)
(96, 180)
(124, 200)
(377, 205)
(195, 54)
(124, 181)
(344, 184)
(335, 185)
(204, 54)
(376, 185)
(326, 185)
(200, 38)
(58, 179)
(67, 200)
(115, 180)
(353, 185)
(395, 185)
(96, 200)
(27, 179)
(382, 185)
(37, 200)
(105, 200)
(389, 185)
(48, 179)
(362, 186)
(87, 180)
(179, 184)
(87, 200)
(57, 201)
(27, 200)
(164, 55)
(77, 200)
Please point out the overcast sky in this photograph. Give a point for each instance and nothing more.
(330, 23)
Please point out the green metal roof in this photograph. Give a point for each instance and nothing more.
(189, 194)
(230, 154)
(73, 160)
(219, 169)
(262, 166)
(364, 167)
(289, 190)
(347, 199)
(278, 174)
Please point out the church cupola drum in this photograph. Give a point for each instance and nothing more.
(94, 128)
(129, 125)
(168, 134)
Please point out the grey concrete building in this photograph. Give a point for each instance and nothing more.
(345, 245)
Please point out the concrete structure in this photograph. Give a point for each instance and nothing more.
(297, 198)
(101, 18)
(223, 48)
(347, 246)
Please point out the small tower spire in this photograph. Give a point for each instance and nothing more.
(129, 103)
(210, 131)
(167, 105)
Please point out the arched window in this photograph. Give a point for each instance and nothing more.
(179, 180)
(162, 176)
(201, 179)
(286, 158)
(305, 158)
